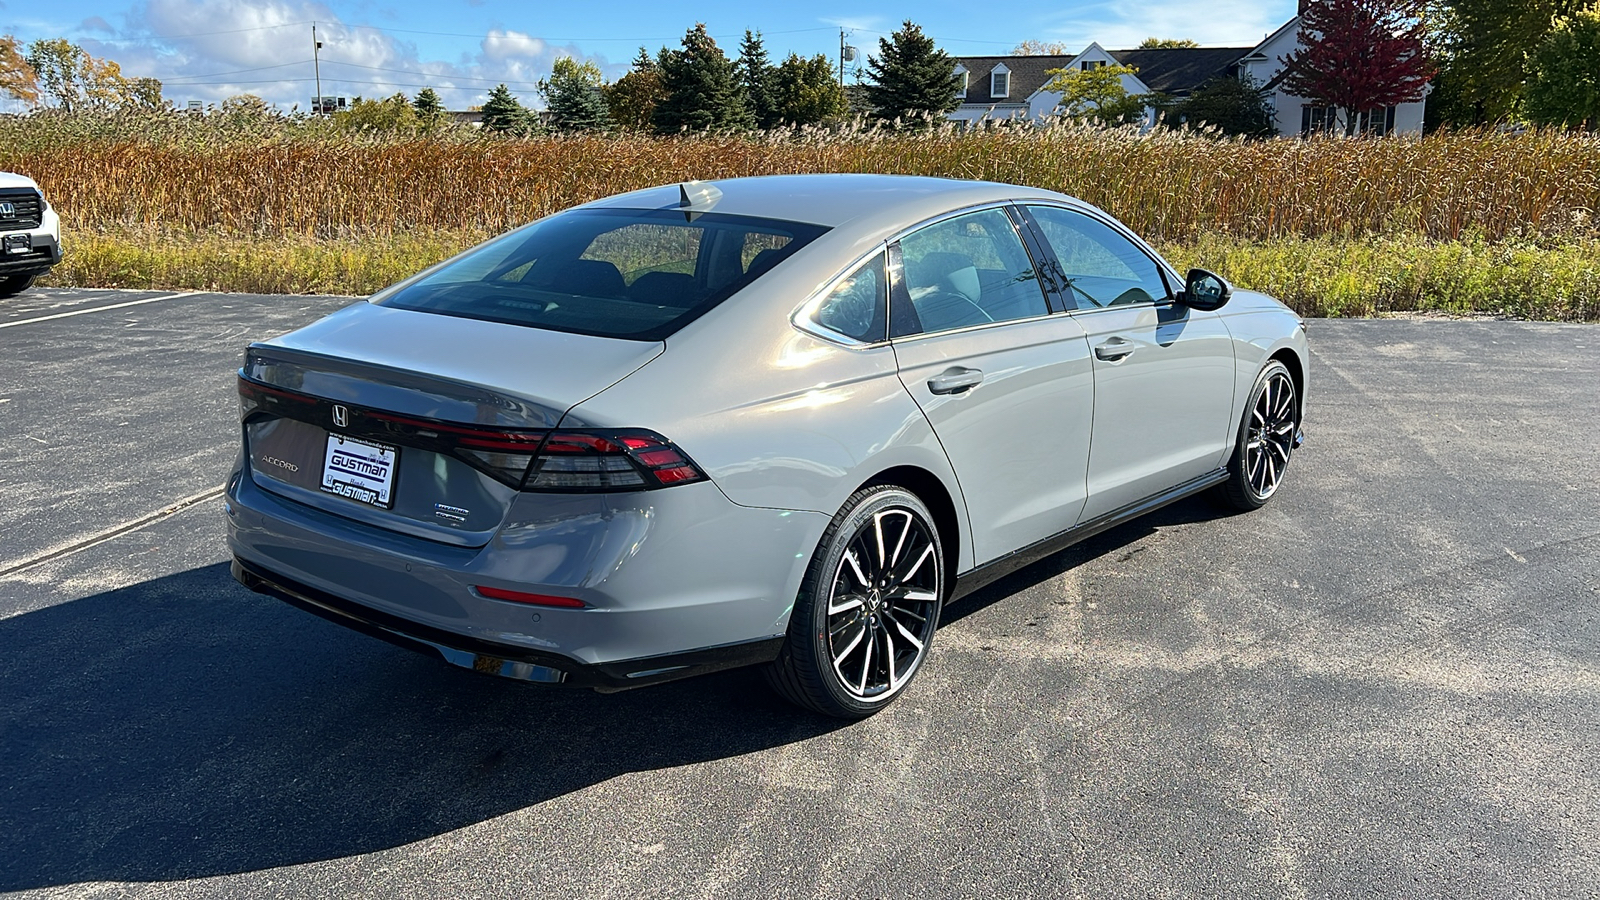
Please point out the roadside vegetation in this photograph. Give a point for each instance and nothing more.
(247, 199)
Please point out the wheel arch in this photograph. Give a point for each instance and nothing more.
(930, 490)
(1297, 371)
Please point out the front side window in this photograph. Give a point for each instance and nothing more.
(639, 274)
(964, 271)
(1101, 267)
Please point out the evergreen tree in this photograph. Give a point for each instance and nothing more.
(805, 92)
(504, 114)
(700, 90)
(1358, 56)
(911, 77)
(632, 100)
(756, 74)
(572, 94)
(429, 108)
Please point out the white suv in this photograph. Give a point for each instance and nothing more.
(30, 234)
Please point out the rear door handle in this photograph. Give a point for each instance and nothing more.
(954, 380)
(1114, 349)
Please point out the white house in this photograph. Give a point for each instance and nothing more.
(1011, 87)
(1299, 116)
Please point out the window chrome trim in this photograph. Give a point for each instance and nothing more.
(981, 326)
(1168, 273)
(801, 317)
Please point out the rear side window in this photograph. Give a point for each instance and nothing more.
(857, 304)
(629, 273)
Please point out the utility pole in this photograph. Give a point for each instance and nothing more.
(841, 57)
(316, 64)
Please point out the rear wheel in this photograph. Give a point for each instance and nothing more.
(16, 284)
(868, 607)
(1266, 439)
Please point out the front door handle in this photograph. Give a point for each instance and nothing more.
(1114, 349)
(954, 380)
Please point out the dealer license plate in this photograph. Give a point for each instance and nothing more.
(360, 470)
(18, 243)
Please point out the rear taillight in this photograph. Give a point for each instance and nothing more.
(530, 459)
(631, 460)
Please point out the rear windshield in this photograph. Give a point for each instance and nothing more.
(639, 274)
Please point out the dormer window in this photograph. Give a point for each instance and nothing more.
(962, 79)
(1000, 82)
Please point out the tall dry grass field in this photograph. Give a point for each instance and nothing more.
(183, 183)
(177, 172)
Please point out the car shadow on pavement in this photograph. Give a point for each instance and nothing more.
(184, 727)
(1199, 508)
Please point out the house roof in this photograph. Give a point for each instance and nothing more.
(1027, 75)
(1179, 70)
(1170, 70)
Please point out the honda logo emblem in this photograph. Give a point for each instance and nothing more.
(341, 416)
(8, 210)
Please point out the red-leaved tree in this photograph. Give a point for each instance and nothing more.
(1359, 56)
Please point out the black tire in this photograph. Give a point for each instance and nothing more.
(861, 629)
(16, 284)
(1265, 441)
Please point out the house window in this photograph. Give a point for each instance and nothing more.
(1000, 84)
(1325, 120)
(1088, 64)
(963, 78)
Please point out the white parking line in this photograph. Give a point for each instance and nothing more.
(84, 312)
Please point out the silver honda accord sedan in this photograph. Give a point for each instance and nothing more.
(772, 421)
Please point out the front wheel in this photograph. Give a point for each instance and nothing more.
(1266, 438)
(868, 607)
(16, 284)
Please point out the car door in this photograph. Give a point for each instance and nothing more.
(1006, 385)
(1163, 373)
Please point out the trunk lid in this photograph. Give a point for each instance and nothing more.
(416, 422)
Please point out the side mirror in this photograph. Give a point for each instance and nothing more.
(1205, 291)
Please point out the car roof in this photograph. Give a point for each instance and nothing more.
(834, 199)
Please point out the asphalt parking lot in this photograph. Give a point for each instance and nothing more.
(1386, 683)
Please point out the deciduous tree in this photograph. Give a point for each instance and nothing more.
(1565, 87)
(1487, 47)
(389, 114)
(1097, 94)
(1155, 43)
(700, 90)
(572, 94)
(1358, 56)
(69, 78)
(17, 78)
(806, 92)
(910, 78)
(631, 100)
(1231, 105)
(1033, 47)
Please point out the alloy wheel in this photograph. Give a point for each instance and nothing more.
(1271, 435)
(883, 605)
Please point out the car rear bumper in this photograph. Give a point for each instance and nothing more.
(677, 581)
(505, 660)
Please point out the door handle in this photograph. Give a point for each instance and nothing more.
(954, 380)
(1114, 349)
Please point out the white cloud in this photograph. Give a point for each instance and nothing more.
(212, 49)
(1118, 25)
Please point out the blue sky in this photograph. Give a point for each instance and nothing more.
(210, 49)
